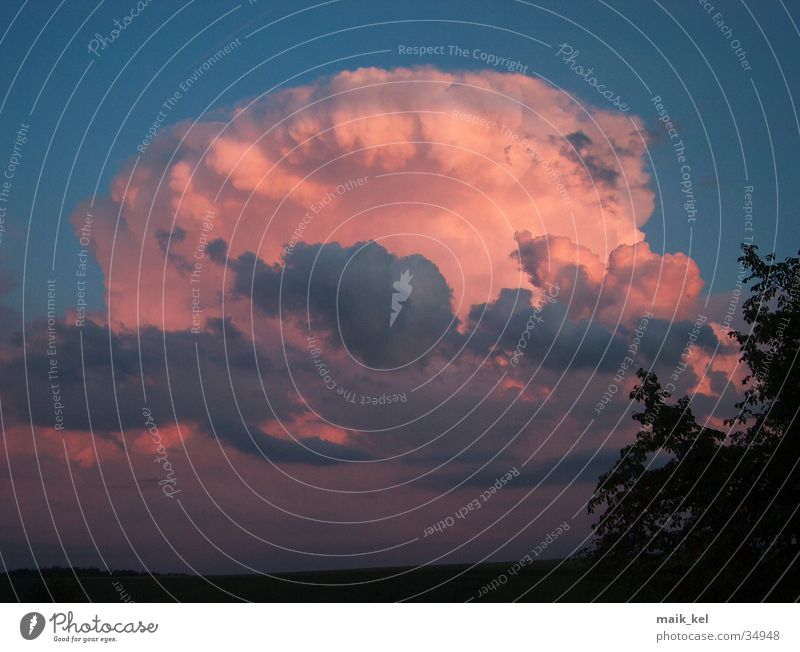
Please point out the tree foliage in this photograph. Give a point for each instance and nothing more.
(714, 513)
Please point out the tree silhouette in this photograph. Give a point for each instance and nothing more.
(706, 514)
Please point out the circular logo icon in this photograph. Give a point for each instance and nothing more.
(31, 625)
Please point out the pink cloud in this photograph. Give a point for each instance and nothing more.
(632, 281)
(472, 158)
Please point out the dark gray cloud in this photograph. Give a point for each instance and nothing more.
(217, 249)
(348, 292)
(560, 342)
(581, 152)
(283, 450)
(578, 466)
(166, 243)
(163, 237)
(107, 364)
(551, 337)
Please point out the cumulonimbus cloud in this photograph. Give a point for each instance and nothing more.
(299, 209)
(449, 166)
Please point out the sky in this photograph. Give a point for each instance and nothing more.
(291, 286)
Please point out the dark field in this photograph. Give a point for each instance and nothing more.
(542, 581)
(547, 579)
